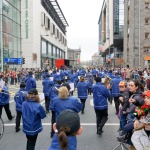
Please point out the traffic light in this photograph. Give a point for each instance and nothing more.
(23, 60)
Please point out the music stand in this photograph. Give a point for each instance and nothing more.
(122, 145)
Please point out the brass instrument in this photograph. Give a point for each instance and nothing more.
(107, 80)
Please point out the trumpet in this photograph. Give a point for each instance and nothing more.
(106, 80)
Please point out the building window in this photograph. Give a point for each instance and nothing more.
(49, 49)
(146, 5)
(54, 51)
(58, 53)
(146, 49)
(146, 21)
(43, 47)
(47, 23)
(146, 35)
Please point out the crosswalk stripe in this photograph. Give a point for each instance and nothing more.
(82, 124)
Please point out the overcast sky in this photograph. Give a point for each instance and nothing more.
(82, 17)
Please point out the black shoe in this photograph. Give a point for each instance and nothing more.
(121, 138)
(82, 112)
(99, 131)
(17, 129)
(13, 116)
(119, 130)
(121, 133)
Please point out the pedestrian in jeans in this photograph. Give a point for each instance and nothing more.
(32, 113)
(19, 98)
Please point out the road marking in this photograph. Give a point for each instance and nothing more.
(91, 102)
(11, 101)
(83, 124)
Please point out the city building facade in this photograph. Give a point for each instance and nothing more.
(97, 60)
(74, 56)
(10, 33)
(137, 33)
(111, 24)
(43, 33)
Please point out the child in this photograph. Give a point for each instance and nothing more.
(66, 128)
(123, 99)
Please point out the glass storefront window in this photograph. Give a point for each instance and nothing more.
(5, 53)
(0, 21)
(43, 47)
(63, 54)
(15, 29)
(10, 31)
(19, 44)
(49, 49)
(5, 41)
(13, 54)
(13, 2)
(18, 4)
(15, 47)
(57, 52)
(60, 54)
(10, 40)
(7, 25)
(18, 16)
(18, 31)
(14, 14)
(19, 54)
(7, 9)
(54, 51)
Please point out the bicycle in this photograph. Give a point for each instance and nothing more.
(1, 128)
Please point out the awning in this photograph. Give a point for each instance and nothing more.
(146, 57)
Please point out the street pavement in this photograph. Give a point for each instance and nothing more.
(89, 140)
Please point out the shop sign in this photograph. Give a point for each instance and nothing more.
(26, 19)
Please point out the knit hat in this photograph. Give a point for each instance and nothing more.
(33, 91)
(70, 119)
(122, 83)
(147, 93)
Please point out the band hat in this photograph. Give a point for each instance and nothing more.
(147, 93)
(70, 119)
(33, 91)
(122, 83)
